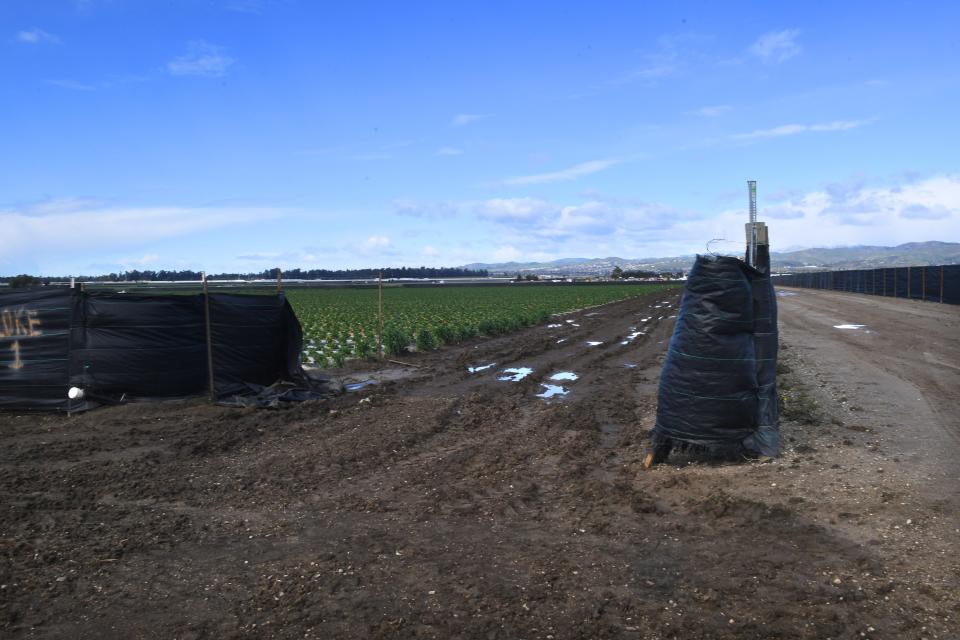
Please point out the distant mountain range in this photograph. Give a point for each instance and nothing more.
(834, 258)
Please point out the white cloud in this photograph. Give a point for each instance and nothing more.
(54, 228)
(794, 129)
(138, 263)
(449, 151)
(776, 46)
(202, 59)
(377, 242)
(513, 209)
(858, 213)
(712, 112)
(564, 175)
(462, 119)
(507, 253)
(37, 36)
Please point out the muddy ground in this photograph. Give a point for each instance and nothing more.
(440, 503)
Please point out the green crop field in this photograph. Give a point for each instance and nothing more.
(339, 324)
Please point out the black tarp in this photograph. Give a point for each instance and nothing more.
(34, 348)
(718, 383)
(122, 346)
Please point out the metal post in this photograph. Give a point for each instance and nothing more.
(279, 280)
(206, 321)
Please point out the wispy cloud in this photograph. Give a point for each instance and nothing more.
(72, 85)
(449, 151)
(37, 36)
(650, 71)
(76, 85)
(462, 119)
(202, 59)
(776, 46)
(712, 112)
(50, 229)
(564, 175)
(794, 129)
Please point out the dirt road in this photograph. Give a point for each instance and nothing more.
(440, 503)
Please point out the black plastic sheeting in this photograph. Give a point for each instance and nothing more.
(718, 384)
(939, 283)
(120, 347)
(34, 348)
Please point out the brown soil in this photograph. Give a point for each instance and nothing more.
(440, 504)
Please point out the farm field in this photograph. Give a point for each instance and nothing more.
(340, 324)
(444, 503)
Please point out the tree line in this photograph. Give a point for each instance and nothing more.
(623, 274)
(148, 275)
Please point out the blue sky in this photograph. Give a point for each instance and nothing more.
(245, 134)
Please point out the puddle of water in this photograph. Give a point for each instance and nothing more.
(630, 365)
(554, 326)
(564, 375)
(357, 386)
(551, 390)
(561, 340)
(570, 321)
(594, 343)
(594, 313)
(481, 367)
(671, 316)
(849, 326)
(644, 319)
(633, 335)
(574, 325)
(516, 374)
(784, 294)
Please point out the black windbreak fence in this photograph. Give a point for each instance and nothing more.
(115, 346)
(933, 284)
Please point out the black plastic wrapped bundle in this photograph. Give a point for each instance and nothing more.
(718, 385)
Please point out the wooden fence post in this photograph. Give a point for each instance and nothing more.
(380, 315)
(941, 284)
(206, 321)
(923, 284)
(908, 283)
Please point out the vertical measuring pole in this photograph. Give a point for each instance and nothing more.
(279, 280)
(923, 284)
(908, 282)
(206, 321)
(752, 188)
(941, 284)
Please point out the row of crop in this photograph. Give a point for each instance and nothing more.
(342, 324)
